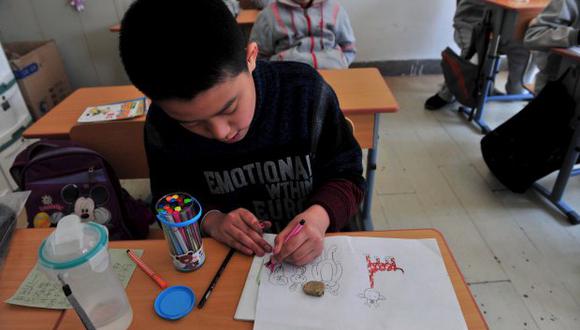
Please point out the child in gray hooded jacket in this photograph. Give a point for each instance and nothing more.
(557, 26)
(315, 32)
(467, 15)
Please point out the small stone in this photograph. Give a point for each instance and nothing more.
(314, 288)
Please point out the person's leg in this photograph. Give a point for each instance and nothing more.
(518, 57)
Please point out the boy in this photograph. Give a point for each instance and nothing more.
(557, 26)
(315, 32)
(467, 15)
(235, 132)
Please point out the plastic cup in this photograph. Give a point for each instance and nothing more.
(78, 252)
(181, 230)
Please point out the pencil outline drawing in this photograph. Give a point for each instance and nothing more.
(325, 268)
(278, 276)
(372, 297)
(328, 270)
(298, 278)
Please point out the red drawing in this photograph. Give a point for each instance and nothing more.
(389, 265)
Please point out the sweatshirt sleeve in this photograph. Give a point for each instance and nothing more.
(554, 26)
(262, 34)
(339, 184)
(345, 35)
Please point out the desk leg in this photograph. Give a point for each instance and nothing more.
(567, 170)
(371, 169)
(490, 68)
(489, 72)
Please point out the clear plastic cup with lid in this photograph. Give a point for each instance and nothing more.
(78, 252)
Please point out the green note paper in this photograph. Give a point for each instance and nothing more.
(38, 291)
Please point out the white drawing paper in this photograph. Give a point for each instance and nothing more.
(371, 283)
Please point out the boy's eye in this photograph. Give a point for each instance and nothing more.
(231, 110)
(190, 124)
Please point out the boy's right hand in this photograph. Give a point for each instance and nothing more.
(239, 229)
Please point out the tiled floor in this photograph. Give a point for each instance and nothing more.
(519, 255)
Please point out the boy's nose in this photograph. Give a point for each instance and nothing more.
(219, 129)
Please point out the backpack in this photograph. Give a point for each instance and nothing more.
(534, 142)
(462, 77)
(66, 178)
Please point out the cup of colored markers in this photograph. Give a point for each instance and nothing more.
(179, 214)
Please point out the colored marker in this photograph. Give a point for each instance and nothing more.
(216, 278)
(271, 265)
(161, 282)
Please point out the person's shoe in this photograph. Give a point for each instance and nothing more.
(435, 102)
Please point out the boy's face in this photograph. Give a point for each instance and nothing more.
(223, 112)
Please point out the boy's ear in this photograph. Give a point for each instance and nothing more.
(252, 56)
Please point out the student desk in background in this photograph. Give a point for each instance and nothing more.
(362, 93)
(510, 19)
(570, 60)
(245, 17)
(219, 311)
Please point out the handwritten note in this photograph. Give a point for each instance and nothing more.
(38, 290)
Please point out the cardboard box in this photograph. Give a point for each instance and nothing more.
(40, 74)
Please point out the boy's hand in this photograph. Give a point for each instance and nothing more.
(308, 244)
(239, 229)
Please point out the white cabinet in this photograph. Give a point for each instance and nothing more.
(14, 118)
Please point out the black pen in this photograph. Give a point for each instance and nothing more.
(216, 278)
(75, 304)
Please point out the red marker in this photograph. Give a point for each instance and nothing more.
(161, 282)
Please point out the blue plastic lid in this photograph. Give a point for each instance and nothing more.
(175, 302)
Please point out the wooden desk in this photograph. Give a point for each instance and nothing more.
(572, 54)
(245, 17)
(520, 14)
(362, 93)
(220, 309)
(510, 19)
(20, 260)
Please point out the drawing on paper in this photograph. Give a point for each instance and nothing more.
(326, 268)
(298, 279)
(372, 296)
(278, 276)
(381, 266)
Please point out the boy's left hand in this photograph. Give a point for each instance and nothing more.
(308, 244)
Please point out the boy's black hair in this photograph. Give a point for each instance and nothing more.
(177, 49)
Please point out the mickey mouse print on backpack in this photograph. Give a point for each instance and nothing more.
(66, 178)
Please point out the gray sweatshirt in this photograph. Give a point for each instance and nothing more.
(556, 27)
(319, 35)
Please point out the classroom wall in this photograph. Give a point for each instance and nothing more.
(386, 30)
